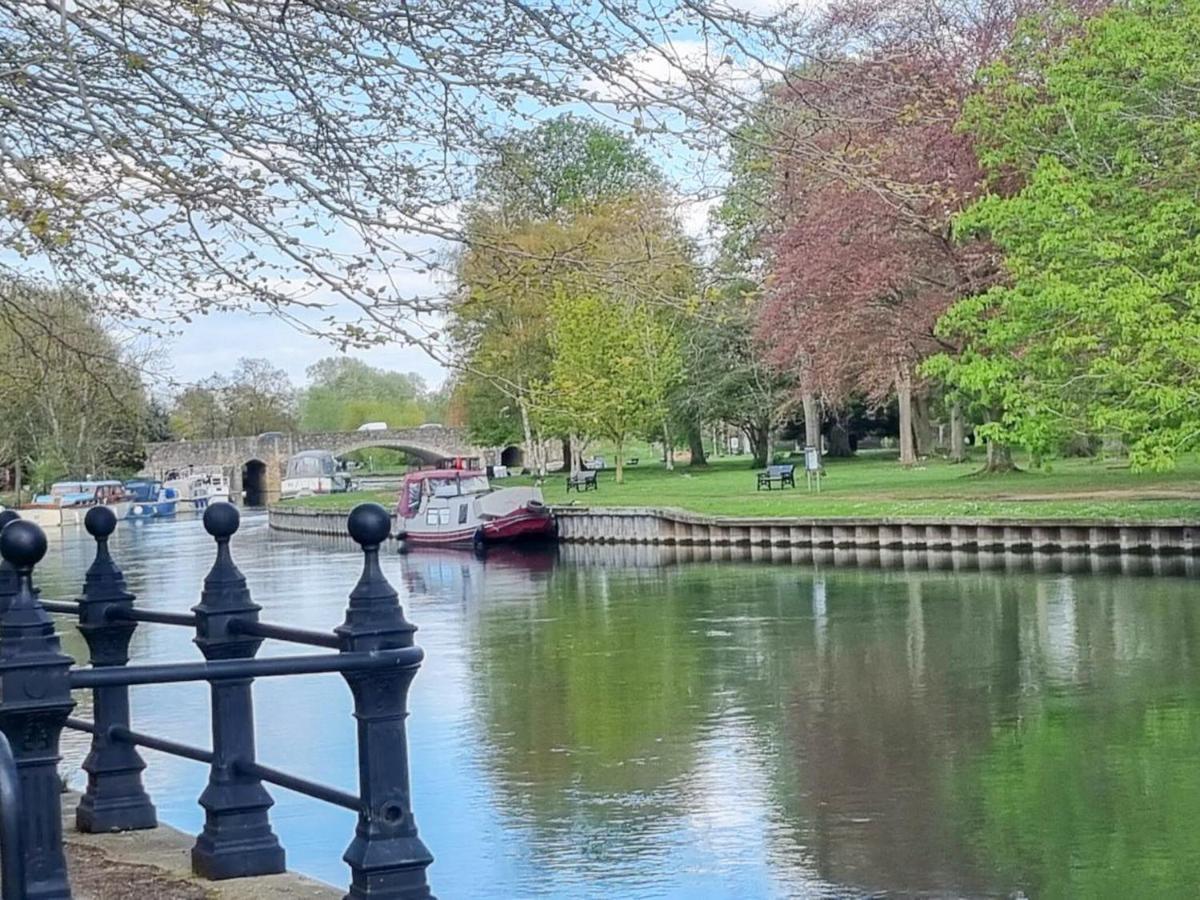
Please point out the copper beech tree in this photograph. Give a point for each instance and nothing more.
(870, 171)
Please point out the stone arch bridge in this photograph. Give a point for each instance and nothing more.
(257, 464)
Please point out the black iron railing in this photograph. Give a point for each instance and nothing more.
(375, 655)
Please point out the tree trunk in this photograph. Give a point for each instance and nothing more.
(566, 452)
(695, 438)
(908, 454)
(17, 476)
(573, 454)
(530, 447)
(668, 447)
(958, 452)
(812, 420)
(759, 435)
(621, 461)
(922, 427)
(839, 441)
(999, 458)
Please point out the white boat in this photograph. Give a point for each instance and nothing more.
(69, 501)
(313, 472)
(196, 488)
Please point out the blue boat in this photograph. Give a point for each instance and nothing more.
(150, 499)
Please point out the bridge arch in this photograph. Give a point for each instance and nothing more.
(255, 483)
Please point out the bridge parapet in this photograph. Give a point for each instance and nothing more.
(430, 442)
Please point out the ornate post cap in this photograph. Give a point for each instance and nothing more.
(222, 520)
(369, 525)
(22, 544)
(8, 515)
(100, 522)
(8, 575)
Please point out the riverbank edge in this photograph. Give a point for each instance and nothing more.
(162, 857)
(678, 527)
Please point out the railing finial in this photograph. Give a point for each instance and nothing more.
(8, 575)
(115, 799)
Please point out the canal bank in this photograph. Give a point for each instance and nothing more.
(677, 527)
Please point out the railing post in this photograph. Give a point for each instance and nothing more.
(387, 858)
(237, 840)
(35, 700)
(115, 799)
(8, 575)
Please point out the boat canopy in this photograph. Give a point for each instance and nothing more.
(439, 483)
(311, 464)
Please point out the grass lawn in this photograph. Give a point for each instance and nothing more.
(875, 485)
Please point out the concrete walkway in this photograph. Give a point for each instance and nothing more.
(156, 865)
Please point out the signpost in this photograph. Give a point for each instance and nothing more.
(812, 467)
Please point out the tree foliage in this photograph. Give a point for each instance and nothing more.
(613, 366)
(1091, 145)
(254, 398)
(344, 393)
(71, 396)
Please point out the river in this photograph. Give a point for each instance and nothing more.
(612, 723)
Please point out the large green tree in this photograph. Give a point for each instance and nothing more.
(1088, 132)
(614, 364)
(570, 205)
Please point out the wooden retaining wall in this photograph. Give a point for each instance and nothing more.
(672, 527)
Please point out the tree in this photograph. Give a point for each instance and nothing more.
(191, 157)
(727, 375)
(255, 398)
(570, 206)
(71, 397)
(614, 364)
(344, 393)
(1087, 132)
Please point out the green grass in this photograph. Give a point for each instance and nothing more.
(875, 485)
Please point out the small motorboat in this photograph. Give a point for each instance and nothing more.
(150, 499)
(459, 507)
(68, 502)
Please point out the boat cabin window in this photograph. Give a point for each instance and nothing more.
(462, 514)
(474, 484)
(443, 487)
(438, 516)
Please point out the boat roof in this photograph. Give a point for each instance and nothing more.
(423, 474)
(91, 484)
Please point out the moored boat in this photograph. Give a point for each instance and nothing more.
(313, 472)
(459, 507)
(68, 502)
(196, 488)
(150, 500)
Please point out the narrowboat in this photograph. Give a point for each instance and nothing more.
(150, 499)
(313, 472)
(459, 507)
(68, 502)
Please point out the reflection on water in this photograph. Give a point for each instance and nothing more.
(641, 722)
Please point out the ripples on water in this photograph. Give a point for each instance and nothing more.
(642, 723)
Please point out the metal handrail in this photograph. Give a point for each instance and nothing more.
(12, 854)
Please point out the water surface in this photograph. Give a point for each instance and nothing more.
(621, 723)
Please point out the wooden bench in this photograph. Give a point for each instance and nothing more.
(785, 475)
(631, 462)
(582, 481)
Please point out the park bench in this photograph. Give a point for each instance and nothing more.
(582, 481)
(784, 474)
(632, 462)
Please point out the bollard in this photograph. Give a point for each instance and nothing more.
(237, 839)
(387, 858)
(35, 700)
(115, 799)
